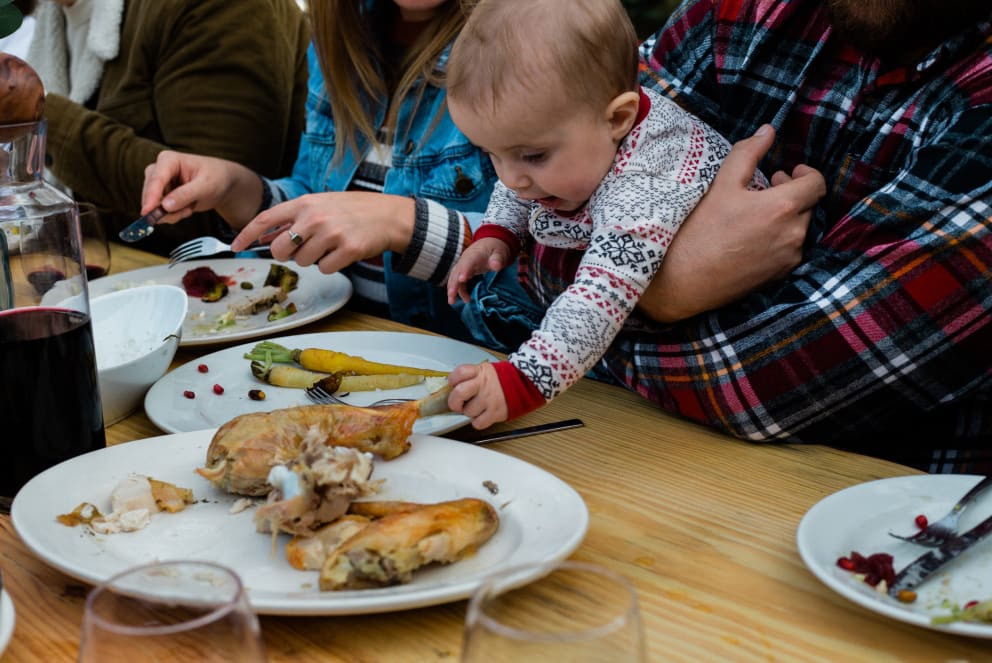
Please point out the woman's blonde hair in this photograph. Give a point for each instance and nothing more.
(585, 50)
(347, 35)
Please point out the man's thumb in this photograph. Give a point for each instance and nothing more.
(745, 155)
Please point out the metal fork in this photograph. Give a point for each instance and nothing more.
(321, 396)
(203, 246)
(935, 534)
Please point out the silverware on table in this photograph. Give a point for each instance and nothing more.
(524, 432)
(936, 533)
(321, 396)
(205, 246)
(142, 227)
(925, 565)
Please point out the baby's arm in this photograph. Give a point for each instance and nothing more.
(484, 254)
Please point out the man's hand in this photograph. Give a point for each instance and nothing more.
(736, 240)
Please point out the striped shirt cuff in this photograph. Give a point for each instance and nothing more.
(439, 235)
(271, 195)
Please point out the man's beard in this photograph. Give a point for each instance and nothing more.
(898, 30)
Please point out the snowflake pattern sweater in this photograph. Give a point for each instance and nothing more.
(661, 171)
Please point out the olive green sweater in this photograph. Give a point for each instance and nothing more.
(224, 78)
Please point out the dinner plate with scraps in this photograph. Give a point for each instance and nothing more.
(169, 408)
(859, 519)
(316, 295)
(542, 519)
(6, 620)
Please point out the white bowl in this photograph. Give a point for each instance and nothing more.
(136, 333)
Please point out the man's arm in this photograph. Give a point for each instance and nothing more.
(888, 318)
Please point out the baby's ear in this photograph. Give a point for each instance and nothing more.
(621, 113)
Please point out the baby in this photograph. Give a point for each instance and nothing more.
(588, 162)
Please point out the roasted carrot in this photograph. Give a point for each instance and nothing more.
(330, 361)
(285, 375)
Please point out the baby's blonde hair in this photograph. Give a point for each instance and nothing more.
(583, 50)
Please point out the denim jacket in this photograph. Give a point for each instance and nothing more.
(432, 161)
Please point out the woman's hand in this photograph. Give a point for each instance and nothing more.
(736, 240)
(333, 230)
(185, 183)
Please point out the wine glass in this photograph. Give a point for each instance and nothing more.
(96, 249)
(573, 612)
(171, 611)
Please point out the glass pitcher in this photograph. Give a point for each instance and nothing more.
(49, 398)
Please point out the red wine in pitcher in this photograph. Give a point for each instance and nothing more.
(49, 396)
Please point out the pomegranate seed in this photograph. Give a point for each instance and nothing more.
(921, 521)
(189, 394)
(906, 595)
(846, 563)
(218, 389)
(970, 604)
(202, 368)
(256, 395)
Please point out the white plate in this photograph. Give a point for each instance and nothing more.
(168, 409)
(859, 519)
(316, 296)
(541, 519)
(6, 620)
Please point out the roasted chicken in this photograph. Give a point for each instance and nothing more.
(314, 489)
(387, 551)
(244, 449)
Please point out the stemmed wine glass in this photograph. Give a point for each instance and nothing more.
(574, 612)
(171, 611)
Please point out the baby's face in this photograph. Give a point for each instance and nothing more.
(556, 158)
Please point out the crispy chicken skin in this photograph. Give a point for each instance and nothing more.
(307, 553)
(390, 549)
(245, 448)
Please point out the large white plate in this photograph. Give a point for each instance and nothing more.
(6, 620)
(316, 296)
(171, 411)
(859, 519)
(541, 518)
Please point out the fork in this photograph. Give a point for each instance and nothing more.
(935, 534)
(321, 396)
(203, 246)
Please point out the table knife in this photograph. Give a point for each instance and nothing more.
(143, 227)
(524, 432)
(925, 565)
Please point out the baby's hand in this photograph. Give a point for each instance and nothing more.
(486, 254)
(477, 393)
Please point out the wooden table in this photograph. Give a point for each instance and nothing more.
(702, 524)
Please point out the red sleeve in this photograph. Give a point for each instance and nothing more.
(520, 393)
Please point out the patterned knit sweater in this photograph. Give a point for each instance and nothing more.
(661, 171)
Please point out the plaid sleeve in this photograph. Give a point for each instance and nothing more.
(678, 60)
(888, 321)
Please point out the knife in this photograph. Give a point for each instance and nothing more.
(143, 227)
(524, 432)
(924, 566)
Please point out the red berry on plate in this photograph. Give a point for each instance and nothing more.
(921, 521)
(189, 394)
(970, 604)
(846, 563)
(202, 368)
(218, 389)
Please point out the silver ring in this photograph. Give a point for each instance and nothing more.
(296, 238)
